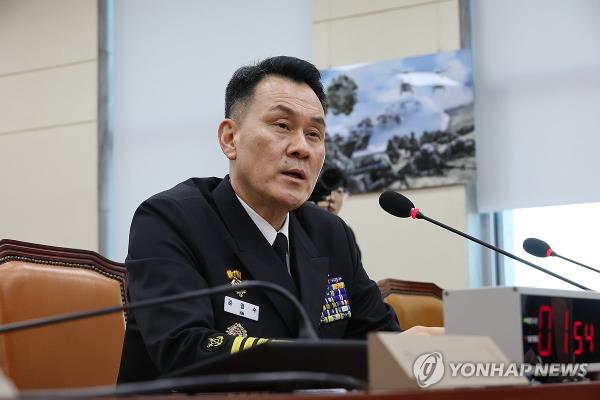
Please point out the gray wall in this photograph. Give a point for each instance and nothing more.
(537, 81)
(172, 61)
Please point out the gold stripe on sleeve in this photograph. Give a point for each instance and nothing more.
(237, 342)
(249, 342)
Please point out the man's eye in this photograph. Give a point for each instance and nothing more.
(314, 134)
(282, 125)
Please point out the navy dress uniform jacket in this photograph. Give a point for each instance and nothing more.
(190, 236)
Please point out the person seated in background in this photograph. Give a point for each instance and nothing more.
(253, 224)
(331, 189)
(329, 194)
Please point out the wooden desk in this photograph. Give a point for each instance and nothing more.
(563, 391)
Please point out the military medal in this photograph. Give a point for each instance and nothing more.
(235, 277)
(336, 305)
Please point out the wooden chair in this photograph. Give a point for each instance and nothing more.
(415, 303)
(38, 281)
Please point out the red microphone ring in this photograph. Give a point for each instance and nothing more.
(414, 212)
(548, 252)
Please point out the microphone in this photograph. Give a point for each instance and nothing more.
(305, 329)
(400, 206)
(539, 248)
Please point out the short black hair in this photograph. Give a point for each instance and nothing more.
(240, 88)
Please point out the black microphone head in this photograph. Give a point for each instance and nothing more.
(537, 247)
(396, 204)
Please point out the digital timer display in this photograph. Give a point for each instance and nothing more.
(560, 329)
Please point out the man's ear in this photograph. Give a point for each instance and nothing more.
(227, 138)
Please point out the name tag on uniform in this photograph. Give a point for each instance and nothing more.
(241, 308)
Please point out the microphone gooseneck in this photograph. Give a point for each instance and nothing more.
(539, 248)
(397, 205)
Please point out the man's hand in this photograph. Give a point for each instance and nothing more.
(326, 204)
(424, 330)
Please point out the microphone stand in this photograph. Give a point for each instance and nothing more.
(575, 262)
(416, 214)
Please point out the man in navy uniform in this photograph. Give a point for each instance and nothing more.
(253, 224)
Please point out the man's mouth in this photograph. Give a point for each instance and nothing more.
(295, 173)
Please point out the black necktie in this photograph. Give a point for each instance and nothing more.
(281, 247)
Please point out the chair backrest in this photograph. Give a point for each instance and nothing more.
(415, 303)
(38, 281)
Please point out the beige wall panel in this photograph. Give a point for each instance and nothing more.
(321, 9)
(449, 25)
(413, 249)
(48, 98)
(321, 46)
(388, 35)
(41, 33)
(48, 186)
(344, 8)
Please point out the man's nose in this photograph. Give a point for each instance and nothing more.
(299, 146)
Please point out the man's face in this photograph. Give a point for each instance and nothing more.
(279, 145)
